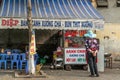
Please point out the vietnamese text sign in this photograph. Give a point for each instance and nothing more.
(75, 56)
(48, 24)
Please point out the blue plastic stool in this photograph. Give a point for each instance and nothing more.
(3, 60)
(36, 58)
(15, 59)
(22, 60)
(26, 67)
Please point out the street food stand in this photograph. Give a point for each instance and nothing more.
(74, 49)
(66, 15)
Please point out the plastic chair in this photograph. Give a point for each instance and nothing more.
(8, 60)
(8, 57)
(15, 51)
(36, 58)
(3, 60)
(7, 50)
(15, 59)
(22, 60)
(26, 67)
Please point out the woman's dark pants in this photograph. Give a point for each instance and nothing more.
(92, 64)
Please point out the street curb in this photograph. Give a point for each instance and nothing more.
(41, 74)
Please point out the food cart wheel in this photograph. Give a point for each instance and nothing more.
(85, 67)
(68, 67)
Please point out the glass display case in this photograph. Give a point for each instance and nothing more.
(74, 47)
(74, 38)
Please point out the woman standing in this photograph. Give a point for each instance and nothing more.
(92, 47)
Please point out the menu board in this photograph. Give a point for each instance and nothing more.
(75, 56)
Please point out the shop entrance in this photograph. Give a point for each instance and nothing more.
(46, 41)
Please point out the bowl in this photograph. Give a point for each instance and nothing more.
(107, 55)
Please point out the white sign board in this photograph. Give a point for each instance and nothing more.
(75, 56)
(20, 23)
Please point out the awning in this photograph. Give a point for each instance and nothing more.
(51, 14)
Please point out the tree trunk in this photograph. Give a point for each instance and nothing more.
(31, 66)
(94, 3)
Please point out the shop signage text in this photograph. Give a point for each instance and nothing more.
(41, 23)
(51, 24)
(75, 56)
(9, 22)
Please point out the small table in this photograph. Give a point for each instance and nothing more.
(108, 62)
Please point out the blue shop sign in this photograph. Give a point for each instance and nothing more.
(66, 24)
(87, 24)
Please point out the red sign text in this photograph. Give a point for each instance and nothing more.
(9, 22)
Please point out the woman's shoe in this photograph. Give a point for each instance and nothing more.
(97, 75)
(91, 75)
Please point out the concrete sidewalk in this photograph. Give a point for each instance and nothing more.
(109, 74)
